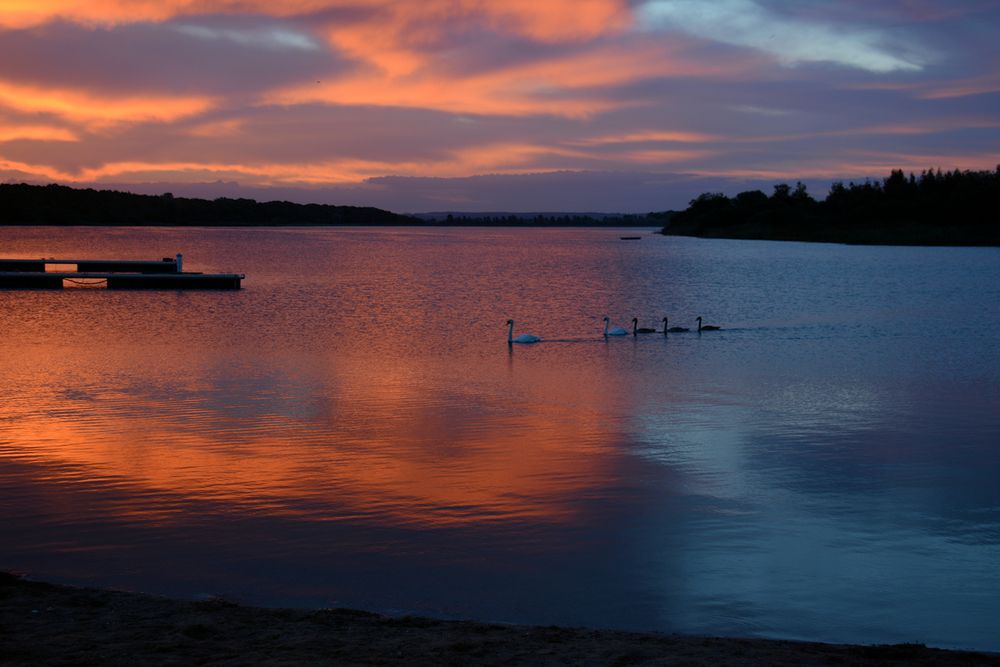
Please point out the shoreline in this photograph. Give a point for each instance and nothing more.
(42, 623)
(848, 240)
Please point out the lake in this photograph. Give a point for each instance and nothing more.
(352, 429)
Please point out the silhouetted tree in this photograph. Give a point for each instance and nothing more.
(950, 208)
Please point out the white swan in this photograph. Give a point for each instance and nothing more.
(706, 327)
(636, 329)
(669, 329)
(523, 339)
(616, 331)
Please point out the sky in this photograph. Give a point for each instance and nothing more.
(493, 105)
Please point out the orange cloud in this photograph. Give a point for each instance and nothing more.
(496, 158)
(460, 163)
(651, 136)
(97, 110)
(560, 86)
(399, 35)
(506, 158)
(525, 158)
(222, 128)
(28, 13)
(508, 60)
(339, 171)
(557, 20)
(11, 132)
(981, 85)
(552, 20)
(408, 47)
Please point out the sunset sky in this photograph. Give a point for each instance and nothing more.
(596, 105)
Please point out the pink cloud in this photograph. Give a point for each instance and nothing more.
(317, 92)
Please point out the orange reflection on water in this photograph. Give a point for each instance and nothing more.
(406, 448)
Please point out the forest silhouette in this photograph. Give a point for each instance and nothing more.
(957, 208)
(22, 204)
(935, 208)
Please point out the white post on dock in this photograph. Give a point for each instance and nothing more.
(180, 259)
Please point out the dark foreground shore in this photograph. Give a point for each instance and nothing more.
(44, 624)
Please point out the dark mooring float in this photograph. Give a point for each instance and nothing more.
(50, 273)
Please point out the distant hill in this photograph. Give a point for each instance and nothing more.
(440, 216)
(23, 204)
(545, 218)
(957, 208)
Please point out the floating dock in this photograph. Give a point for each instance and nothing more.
(49, 273)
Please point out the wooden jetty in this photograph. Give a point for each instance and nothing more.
(44, 273)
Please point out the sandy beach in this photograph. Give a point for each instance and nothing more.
(45, 624)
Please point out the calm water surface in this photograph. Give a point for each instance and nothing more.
(351, 429)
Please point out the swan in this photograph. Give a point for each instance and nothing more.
(706, 327)
(524, 339)
(669, 329)
(636, 329)
(616, 331)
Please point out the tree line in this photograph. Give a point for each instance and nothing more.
(22, 204)
(935, 208)
(558, 220)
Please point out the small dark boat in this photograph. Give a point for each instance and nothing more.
(630, 238)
